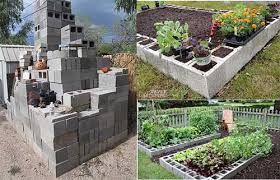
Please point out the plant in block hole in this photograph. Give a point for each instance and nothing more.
(202, 53)
(170, 35)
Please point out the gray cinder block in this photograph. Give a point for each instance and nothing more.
(76, 98)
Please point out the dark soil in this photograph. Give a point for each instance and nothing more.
(266, 167)
(148, 41)
(184, 59)
(140, 39)
(222, 52)
(206, 67)
(199, 22)
(155, 47)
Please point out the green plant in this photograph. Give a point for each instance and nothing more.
(212, 157)
(170, 34)
(158, 133)
(204, 120)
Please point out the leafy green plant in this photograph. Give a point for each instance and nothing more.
(205, 121)
(158, 133)
(212, 157)
(170, 34)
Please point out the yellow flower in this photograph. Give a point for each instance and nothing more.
(241, 27)
(222, 23)
(247, 20)
(254, 11)
(254, 26)
(263, 23)
(254, 15)
(245, 13)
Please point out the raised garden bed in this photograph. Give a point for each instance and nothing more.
(184, 172)
(152, 152)
(227, 60)
(222, 158)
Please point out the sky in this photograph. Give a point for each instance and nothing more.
(102, 13)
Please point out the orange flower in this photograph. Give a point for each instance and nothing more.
(254, 11)
(254, 15)
(247, 20)
(245, 13)
(241, 27)
(263, 23)
(254, 26)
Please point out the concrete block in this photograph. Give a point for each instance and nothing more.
(72, 124)
(88, 123)
(64, 167)
(76, 98)
(73, 150)
(94, 135)
(107, 80)
(84, 137)
(57, 64)
(57, 156)
(99, 97)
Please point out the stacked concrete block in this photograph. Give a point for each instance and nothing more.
(25, 58)
(52, 16)
(77, 100)
(71, 33)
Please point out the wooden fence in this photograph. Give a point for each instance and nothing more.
(180, 117)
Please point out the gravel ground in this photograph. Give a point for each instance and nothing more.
(18, 161)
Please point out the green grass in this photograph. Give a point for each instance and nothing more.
(150, 83)
(150, 170)
(200, 4)
(259, 79)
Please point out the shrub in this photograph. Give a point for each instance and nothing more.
(205, 121)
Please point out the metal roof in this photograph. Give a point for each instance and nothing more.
(10, 53)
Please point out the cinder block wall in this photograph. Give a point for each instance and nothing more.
(64, 141)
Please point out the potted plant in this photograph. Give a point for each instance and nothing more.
(145, 7)
(170, 35)
(157, 4)
(240, 24)
(187, 48)
(202, 53)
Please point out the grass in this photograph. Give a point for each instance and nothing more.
(150, 170)
(200, 4)
(259, 79)
(150, 83)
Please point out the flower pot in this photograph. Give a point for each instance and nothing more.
(41, 64)
(202, 61)
(105, 69)
(145, 7)
(157, 4)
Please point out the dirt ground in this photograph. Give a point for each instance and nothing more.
(19, 161)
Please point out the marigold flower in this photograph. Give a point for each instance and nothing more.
(254, 15)
(222, 23)
(254, 11)
(263, 23)
(254, 26)
(241, 27)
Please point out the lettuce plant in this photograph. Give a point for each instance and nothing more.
(170, 35)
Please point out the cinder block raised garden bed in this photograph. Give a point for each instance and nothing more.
(226, 60)
(184, 172)
(152, 152)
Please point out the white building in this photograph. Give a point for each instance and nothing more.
(9, 61)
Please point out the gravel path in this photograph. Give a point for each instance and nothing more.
(18, 161)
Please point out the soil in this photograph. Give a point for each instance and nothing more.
(222, 52)
(184, 60)
(266, 167)
(19, 161)
(155, 47)
(199, 22)
(148, 41)
(206, 67)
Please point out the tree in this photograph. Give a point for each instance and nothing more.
(125, 29)
(128, 6)
(10, 13)
(92, 32)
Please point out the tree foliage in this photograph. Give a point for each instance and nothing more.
(128, 6)
(10, 13)
(92, 32)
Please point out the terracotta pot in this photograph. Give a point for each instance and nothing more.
(105, 69)
(41, 64)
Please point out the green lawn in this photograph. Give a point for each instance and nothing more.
(151, 170)
(259, 79)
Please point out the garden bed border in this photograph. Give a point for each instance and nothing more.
(209, 83)
(152, 152)
(184, 172)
